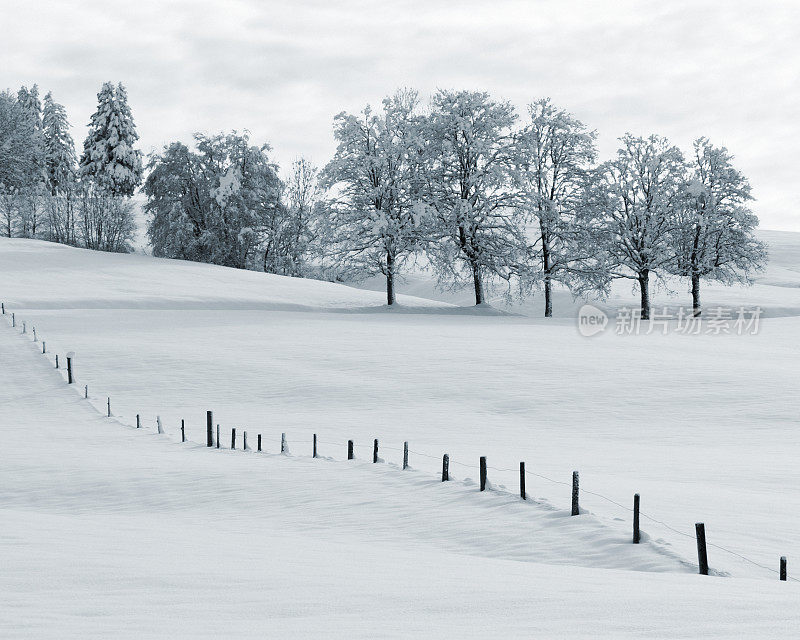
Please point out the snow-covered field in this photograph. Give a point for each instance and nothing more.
(111, 532)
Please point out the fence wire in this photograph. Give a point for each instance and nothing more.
(36, 338)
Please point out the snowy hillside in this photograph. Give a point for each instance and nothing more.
(145, 533)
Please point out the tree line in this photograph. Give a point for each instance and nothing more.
(460, 185)
(46, 191)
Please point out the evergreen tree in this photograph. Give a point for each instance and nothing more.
(109, 159)
(59, 149)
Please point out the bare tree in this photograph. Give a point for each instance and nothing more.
(553, 153)
(714, 239)
(469, 159)
(638, 197)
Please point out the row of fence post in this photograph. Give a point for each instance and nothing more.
(700, 533)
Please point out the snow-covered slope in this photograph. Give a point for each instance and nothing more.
(40, 274)
(211, 543)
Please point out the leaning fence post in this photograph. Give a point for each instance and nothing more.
(259, 442)
(314, 450)
(483, 473)
(283, 443)
(522, 481)
(576, 509)
(233, 438)
(445, 468)
(635, 518)
(702, 554)
(349, 449)
(375, 451)
(783, 568)
(70, 356)
(405, 455)
(183, 432)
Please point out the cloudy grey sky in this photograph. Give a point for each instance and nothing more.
(728, 69)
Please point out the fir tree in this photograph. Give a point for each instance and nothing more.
(109, 159)
(59, 149)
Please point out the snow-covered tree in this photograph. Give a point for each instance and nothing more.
(638, 198)
(469, 158)
(296, 232)
(109, 159)
(375, 218)
(553, 153)
(59, 149)
(60, 173)
(714, 239)
(214, 204)
(18, 160)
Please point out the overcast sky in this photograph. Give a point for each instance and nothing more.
(728, 70)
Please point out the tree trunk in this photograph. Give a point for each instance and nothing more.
(476, 277)
(644, 289)
(390, 297)
(696, 309)
(548, 297)
(548, 283)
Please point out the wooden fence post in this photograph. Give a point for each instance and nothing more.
(783, 568)
(405, 455)
(233, 438)
(259, 442)
(375, 451)
(483, 473)
(636, 536)
(349, 449)
(138, 422)
(576, 509)
(445, 468)
(24, 327)
(158, 424)
(34, 335)
(44, 347)
(244, 440)
(522, 481)
(283, 443)
(702, 554)
(108, 401)
(209, 428)
(183, 431)
(3, 306)
(86, 391)
(69, 367)
(56, 361)
(217, 436)
(314, 450)
(13, 319)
